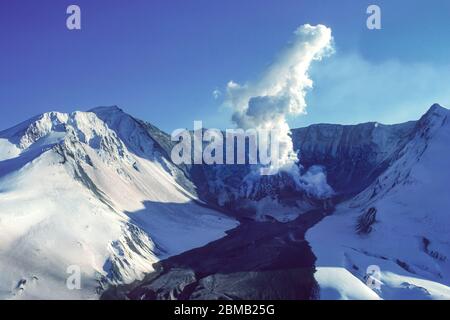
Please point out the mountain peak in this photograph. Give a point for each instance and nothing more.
(437, 108)
(102, 109)
(436, 111)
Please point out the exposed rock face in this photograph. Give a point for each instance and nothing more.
(353, 155)
(365, 221)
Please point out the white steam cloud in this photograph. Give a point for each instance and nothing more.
(280, 92)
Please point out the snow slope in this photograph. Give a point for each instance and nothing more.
(400, 223)
(90, 189)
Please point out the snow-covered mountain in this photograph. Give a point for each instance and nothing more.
(98, 190)
(94, 190)
(399, 223)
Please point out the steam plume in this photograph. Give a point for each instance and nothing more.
(280, 92)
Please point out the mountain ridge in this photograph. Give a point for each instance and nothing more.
(71, 188)
(105, 165)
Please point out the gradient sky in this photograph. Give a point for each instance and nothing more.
(161, 60)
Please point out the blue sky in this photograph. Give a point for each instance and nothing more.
(161, 60)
